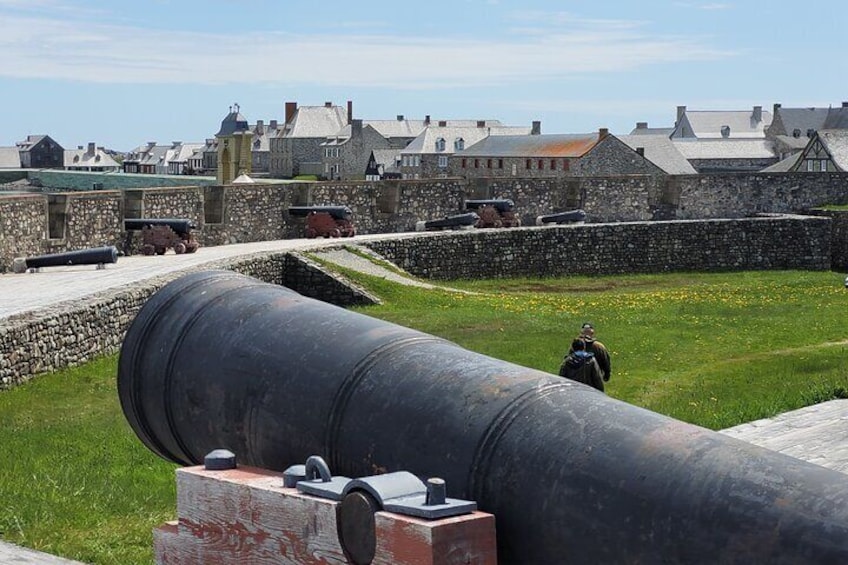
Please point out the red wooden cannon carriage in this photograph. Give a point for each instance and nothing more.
(497, 213)
(325, 221)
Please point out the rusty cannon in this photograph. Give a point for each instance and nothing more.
(99, 256)
(496, 213)
(160, 234)
(220, 360)
(325, 221)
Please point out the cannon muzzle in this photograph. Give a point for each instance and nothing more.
(220, 360)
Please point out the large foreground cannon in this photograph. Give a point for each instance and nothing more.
(220, 360)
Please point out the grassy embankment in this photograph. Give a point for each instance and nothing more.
(712, 349)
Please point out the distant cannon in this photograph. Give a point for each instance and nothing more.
(569, 217)
(457, 222)
(325, 221)
(217, 359)
(498, 213)
(160, 234)
(99, 256)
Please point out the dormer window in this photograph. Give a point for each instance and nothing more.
(440, 144)
(459, 144)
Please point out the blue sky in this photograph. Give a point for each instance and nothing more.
(123, 73)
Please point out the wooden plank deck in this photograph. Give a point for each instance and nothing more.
(818, 434)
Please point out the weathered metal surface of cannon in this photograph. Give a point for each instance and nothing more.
(326, 221)
(568, 217)
(497, 213)
(99, 256)
(160, 234)
(220, 360)
(456, 222)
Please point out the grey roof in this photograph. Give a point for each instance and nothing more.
(783, 166)
(397, 128)
(233, 123)
(30, 142)
(792, 142)
(724, 148)
(837, 118)
(99, 159)
(10, 158)
(548, 145)
(661, 151)
(389, 158)
(708, 124)
(425, 143)
(836, 143)
(652, 131)
(316, 121)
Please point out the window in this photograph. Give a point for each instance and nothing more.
(443, 161)
(417, 161)
(553, 165)
(440, 144)
(336, 152)
(476, 163)
(528, 164)
(565, 164)
(488, 163)
(810, 164)
(500, 163)
(463, 163)
(458, 144)
(514, 169)
(541, 164)
(823, 164)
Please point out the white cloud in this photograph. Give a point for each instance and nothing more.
(41, 47)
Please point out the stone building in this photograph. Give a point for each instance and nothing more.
(792, 128)
(346, 154)
(296, 147)
(826, 152)
(428, 155)
(721, 124)
(550, 156)
(41, 152)
(234, 147)
(727, 155)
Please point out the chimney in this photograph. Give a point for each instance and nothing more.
(149, 144)
(602, 133)
(845, 104)
(90, 150)
(758, 114)
(209, 141)
(725, 131)
(355, 128)
(328, 104)
(536, 128)
(443, 123)
(260, 125)
(776, 108)
(680, 111)
(481, 123)
(291, 108)
(79, 147)
(400, 117)
(273, 124)
(427, 120)
(350, 112)
(640, 151)
(174, 144)
(641, 125)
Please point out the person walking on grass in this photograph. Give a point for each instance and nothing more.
(580, 365)
(602, 356)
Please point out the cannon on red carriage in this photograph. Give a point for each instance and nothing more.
(160, 234)
(325, 221)
(498, 213)
(456, 222)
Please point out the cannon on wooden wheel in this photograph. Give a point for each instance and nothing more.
(456, 222)
(160, 234)
(577, 216)
(496, 213)
(325, 221)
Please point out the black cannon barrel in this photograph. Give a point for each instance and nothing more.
(93, 256)
(501, 205)
(459, 220)
(220, 360)
(337, 212)
(179, 225)
(562, 217)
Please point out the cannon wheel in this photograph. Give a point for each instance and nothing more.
(335, 232)
(161, 250)
(351, 232)
(311, 233)
(148, 249)
(179, 248)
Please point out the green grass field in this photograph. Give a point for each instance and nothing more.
(712, 349)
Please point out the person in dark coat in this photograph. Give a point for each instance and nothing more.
(602, 356)
(580, 365)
